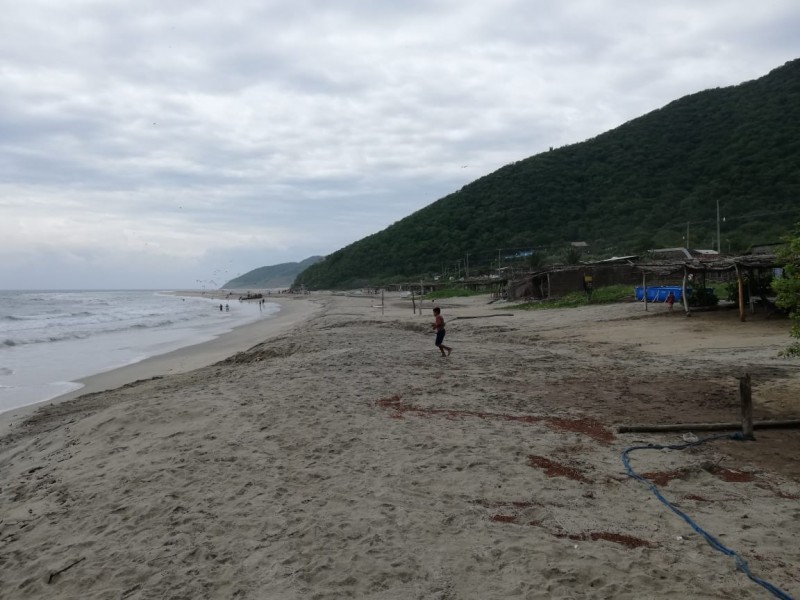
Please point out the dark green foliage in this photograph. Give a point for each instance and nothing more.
(453, 292)
(605, 295)
(761, 287)
(624, 191)
(703, 296)
(276, 276)
(788, 288)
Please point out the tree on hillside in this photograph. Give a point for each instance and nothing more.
(788, 287)
(624, 191)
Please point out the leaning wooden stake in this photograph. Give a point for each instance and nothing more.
(747, 406)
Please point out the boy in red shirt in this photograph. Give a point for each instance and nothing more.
(438, 325)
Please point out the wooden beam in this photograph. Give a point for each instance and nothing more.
(785, 424)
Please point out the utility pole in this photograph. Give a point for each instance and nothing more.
(719, 240)
(687, 235)
(466, 267)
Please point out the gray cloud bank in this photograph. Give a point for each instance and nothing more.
(153, 144)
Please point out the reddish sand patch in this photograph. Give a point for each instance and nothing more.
(628, 541)
(764, 485)
(696, 498)
(664, 477)
(589, 427)
(554, 469)
(504, 519)
(732, 475)
(594, 429)
(504, 504)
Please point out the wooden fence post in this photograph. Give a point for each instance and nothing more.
(644, 290)
(747, 406)
(742, 313)
(683, 292)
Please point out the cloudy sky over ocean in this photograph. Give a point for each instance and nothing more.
(155, 144)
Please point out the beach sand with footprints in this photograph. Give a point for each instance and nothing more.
(343, 457)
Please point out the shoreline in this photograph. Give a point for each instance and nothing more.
(185, 359)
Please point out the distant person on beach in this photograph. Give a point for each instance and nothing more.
(220, 308)
(670, 300)
(438, 325)
(227, 308)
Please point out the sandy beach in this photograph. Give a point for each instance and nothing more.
(335, 454)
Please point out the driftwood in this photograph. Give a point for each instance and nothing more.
(786, 424)
(55, 574)
(484, 316)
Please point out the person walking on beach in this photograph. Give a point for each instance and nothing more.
(438, 325)
(670, 300)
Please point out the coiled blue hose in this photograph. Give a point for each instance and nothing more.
(741, 563)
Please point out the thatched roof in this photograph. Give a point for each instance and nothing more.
(694, 265)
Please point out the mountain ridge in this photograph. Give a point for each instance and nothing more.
(273, 276)
(644, 184)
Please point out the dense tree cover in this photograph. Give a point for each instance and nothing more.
(788, 287)
(630, 189)
(275, 276)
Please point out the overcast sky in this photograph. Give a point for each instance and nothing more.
(177, 144)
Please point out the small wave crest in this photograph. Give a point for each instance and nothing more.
(165, 323)
(45, 340)
(82, 335)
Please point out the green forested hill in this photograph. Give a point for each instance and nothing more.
(627, 190)
(275, 276)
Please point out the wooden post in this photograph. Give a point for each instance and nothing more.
(742, 314)
(683, 288)
(644, 290)
(548, 286)
(747, 406)
(750, 291)
(413, 303)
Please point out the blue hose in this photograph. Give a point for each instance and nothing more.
(741, 563)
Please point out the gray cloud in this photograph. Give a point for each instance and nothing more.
(157, 142)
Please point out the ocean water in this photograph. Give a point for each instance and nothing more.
(49, 339)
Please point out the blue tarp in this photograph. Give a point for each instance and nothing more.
(659, 293)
